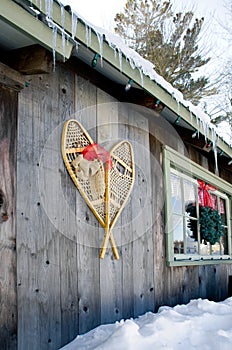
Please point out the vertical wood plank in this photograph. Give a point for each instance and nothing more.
(126, 224)
(143, 262)
(190, 285)
(8, 143)
(160, 268)
(41, 297)
(110, 269)
(38, 295)
(69, 285)
(67, 243)
(88, 261)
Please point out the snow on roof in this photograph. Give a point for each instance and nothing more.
(145, 67)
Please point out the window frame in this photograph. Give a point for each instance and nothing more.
(174, 160)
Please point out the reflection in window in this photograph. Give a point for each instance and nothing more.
(198, 213)
(176, 194)
(187, 209)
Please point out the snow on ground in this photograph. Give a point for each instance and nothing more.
(201, 324)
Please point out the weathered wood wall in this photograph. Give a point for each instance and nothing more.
(177, 285)
(63, 287)
(8, 142)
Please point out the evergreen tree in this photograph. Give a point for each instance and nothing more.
(169, 41)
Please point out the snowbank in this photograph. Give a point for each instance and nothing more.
(201, 324)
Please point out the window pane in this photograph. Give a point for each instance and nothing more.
(178, 234)
(205, 248)
(214, 201)
(216, 249)
(223, 212)
(192, 236)
(190, 198)
(176, 194)
(191, 212)
(189, 191)
(224, 242)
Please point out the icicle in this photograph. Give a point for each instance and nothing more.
(63, 45)
(74, 24)
(132, 62)
(90, 36)
(76, 46)
(120, 58)
(54, 36)
(100, 42)
(49, 8)
(88, 33)
(198, 123)
(141, 76)
(191, 116)
(62, 15)
(178, 107)
(115, 53)
(214, 140)
(205, 129)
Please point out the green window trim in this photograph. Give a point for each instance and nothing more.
(174, 163)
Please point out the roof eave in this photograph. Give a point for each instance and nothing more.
(24, 22)
(43, 34)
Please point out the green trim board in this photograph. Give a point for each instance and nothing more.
(195, 169)
(200, 262)
(174, 160)
(147, 84)
(24, 22)
(34, 28)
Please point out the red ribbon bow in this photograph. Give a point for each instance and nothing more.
(204, 196)
(95, 151)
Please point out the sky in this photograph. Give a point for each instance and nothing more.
(214, 39)
(102, 12)
(201, 324)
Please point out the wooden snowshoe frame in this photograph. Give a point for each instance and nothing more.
(104, 189)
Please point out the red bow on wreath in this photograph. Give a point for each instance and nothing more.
(204, 197)
(95, 151)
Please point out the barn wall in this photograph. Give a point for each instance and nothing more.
(8, 311)
(63, 287)
(176, 285)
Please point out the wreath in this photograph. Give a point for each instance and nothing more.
(211, 227)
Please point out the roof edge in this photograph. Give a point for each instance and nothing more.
(77, 33)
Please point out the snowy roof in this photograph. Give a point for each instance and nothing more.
(136, 61)
(146, 69)
(72, 27)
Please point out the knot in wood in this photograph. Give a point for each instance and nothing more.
(3, 208)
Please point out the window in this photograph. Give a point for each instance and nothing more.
(198, 210)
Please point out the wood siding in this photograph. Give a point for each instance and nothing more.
(8, 142)
(64, 289)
